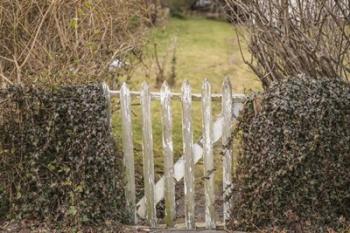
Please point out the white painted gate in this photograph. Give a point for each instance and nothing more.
(164, 188)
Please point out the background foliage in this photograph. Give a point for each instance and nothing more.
(58, 159)
(295, 157)
(178, 7)
(287, 38)
(63, 41)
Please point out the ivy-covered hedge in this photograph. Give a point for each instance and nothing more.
(58, 160)
(293, 168)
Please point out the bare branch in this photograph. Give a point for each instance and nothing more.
(290, 37)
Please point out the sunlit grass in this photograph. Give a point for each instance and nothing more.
(205, 49)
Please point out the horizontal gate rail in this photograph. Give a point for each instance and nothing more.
(213, 131)
(237, 98)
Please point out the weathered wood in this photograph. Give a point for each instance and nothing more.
(239, 98)
(128, 150)
(209, 169)
(189, 231)
(227, 147)
(187, 132)
(169, 187)
(148, 160)
(179, 167)
(180, 228)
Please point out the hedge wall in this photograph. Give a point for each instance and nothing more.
(58, 160)
(293, 168)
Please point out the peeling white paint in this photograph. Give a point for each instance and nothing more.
(154, 193)
(128, 150)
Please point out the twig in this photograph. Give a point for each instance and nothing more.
(37, 34)
(6, 79)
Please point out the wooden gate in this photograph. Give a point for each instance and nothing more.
(164, 188)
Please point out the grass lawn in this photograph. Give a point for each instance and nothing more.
(205, 49)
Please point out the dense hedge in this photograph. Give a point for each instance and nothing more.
(58, 160)
(293, 169)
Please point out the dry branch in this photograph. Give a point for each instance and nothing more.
(290, 37)
(62, 41)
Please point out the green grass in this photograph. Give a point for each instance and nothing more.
(205, 49)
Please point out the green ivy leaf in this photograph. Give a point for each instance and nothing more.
(72, 211)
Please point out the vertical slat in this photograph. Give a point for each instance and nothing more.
(187, 132)
(128, 150)
(169, 185)
(227, 147)
(148, 163)
(209, 170)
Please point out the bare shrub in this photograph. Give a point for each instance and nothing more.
(289, 37)
(162, 72)
(55, 41)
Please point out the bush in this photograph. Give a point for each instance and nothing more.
(58, 159)
(286, 38)
(293, 169)
(3, 204)
(60, 42)
(178, 8)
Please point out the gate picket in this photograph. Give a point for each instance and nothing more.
(209, 170)
(169, 184)
(192, 153)
(227, 112)
(187, 134)
(128, 150)
(148, 160)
